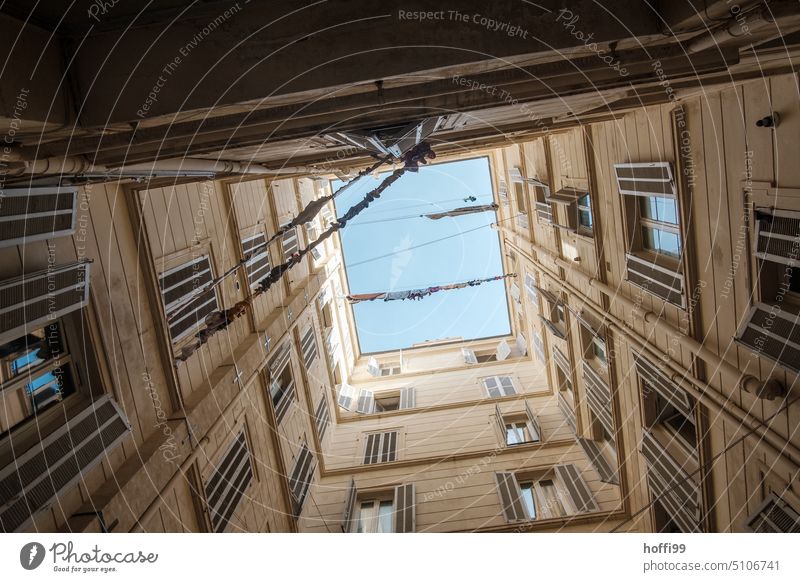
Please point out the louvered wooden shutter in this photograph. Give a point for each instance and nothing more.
(608, 474)
(501, 425)
(675, 489)
(39, 475)
(469, 356)
(346, 396)
(492, 386)
(289, 243)
(308, 345)
(373, 367)
(506, 385)
(774, 515)
(562, 362)
(521, 344)
(366, 402)
(776, 236)
(534, 423)
(349, 506)
(660, 281)
(502, 191)
(285, 403)
(554, 329)
(301, 477)
(656, 380)
(598, 396)
(281, 358)
(503, 351)
(380, 448)
(515, 175)
(322, 417)
(185, 306)
(31, 214)
(229, 482)
(530, 288)
(510, 497)
(404, 509)
(568, 198)
(773, 333)
(37, 299)
(408, 398)
(257, 266)
(576, 487)
(567, 410)
(645, 179)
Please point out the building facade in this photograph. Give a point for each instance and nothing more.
(649, 382)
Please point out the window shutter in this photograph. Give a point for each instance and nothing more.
(773, 333)
(503, 351)
(530, 288)
(285, 403)
(645, 179)
(469, 356)
(346, 397)
(568, 198)
(668, 390)
(544, 212)
(776, 236)
(380, 447)
(515, 175)
(349, 506)
(576, 487)
(510, 497)
(492, 387)
(676, 490)
(608, 474)
(501, 424)
(660, 281)
(177, 286)
(322, 417)
(373, 367)
(281, 358)
(257, 266)
(567, 410)
(301, 477)
(228, 483)
(562, 362)
(774, 515)
(550, 297)
(31, 214)
(34, 300)
(502, 191)
(289, 243)
(522, 344)
(308, 346)
(554, 329)
(534, 423)
(39, 475)
(598, 397)
(408, 398)
(404, 509)
(366, 402)
(514, 289)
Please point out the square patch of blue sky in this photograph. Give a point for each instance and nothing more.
(389, 247)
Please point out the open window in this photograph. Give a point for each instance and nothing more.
(652, 216)
(517, 428)
(555, 313)
(574, 210)
(549, 494)
(370, 402)
(380, 511)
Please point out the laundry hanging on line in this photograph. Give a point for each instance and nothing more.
(461, 211)
(417, 294)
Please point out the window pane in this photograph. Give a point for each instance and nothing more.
(667, 243)
(527, 498)
(551, 500)
(599, 350)
(366, 517)
(585, 218)
(385, 517)
(660, 209)
(516, 432)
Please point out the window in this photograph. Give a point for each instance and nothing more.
(518, 432)
(308, 347)
(575, 208)
(186, 305)
(382, 370)
(387, 403)
(499, 386)
(652, 217)
(390, 370)
(375, 516)
(518, 428)
(585, 223)
(322, 417)
(544, 208)
(257, 265)
(522, 208)
(598, 350)
(229, 482)
(774, 515)
(381, 447)
(389, 511)
(546, 494)
(659, 224)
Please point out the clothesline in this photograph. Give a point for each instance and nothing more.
(417, 294)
